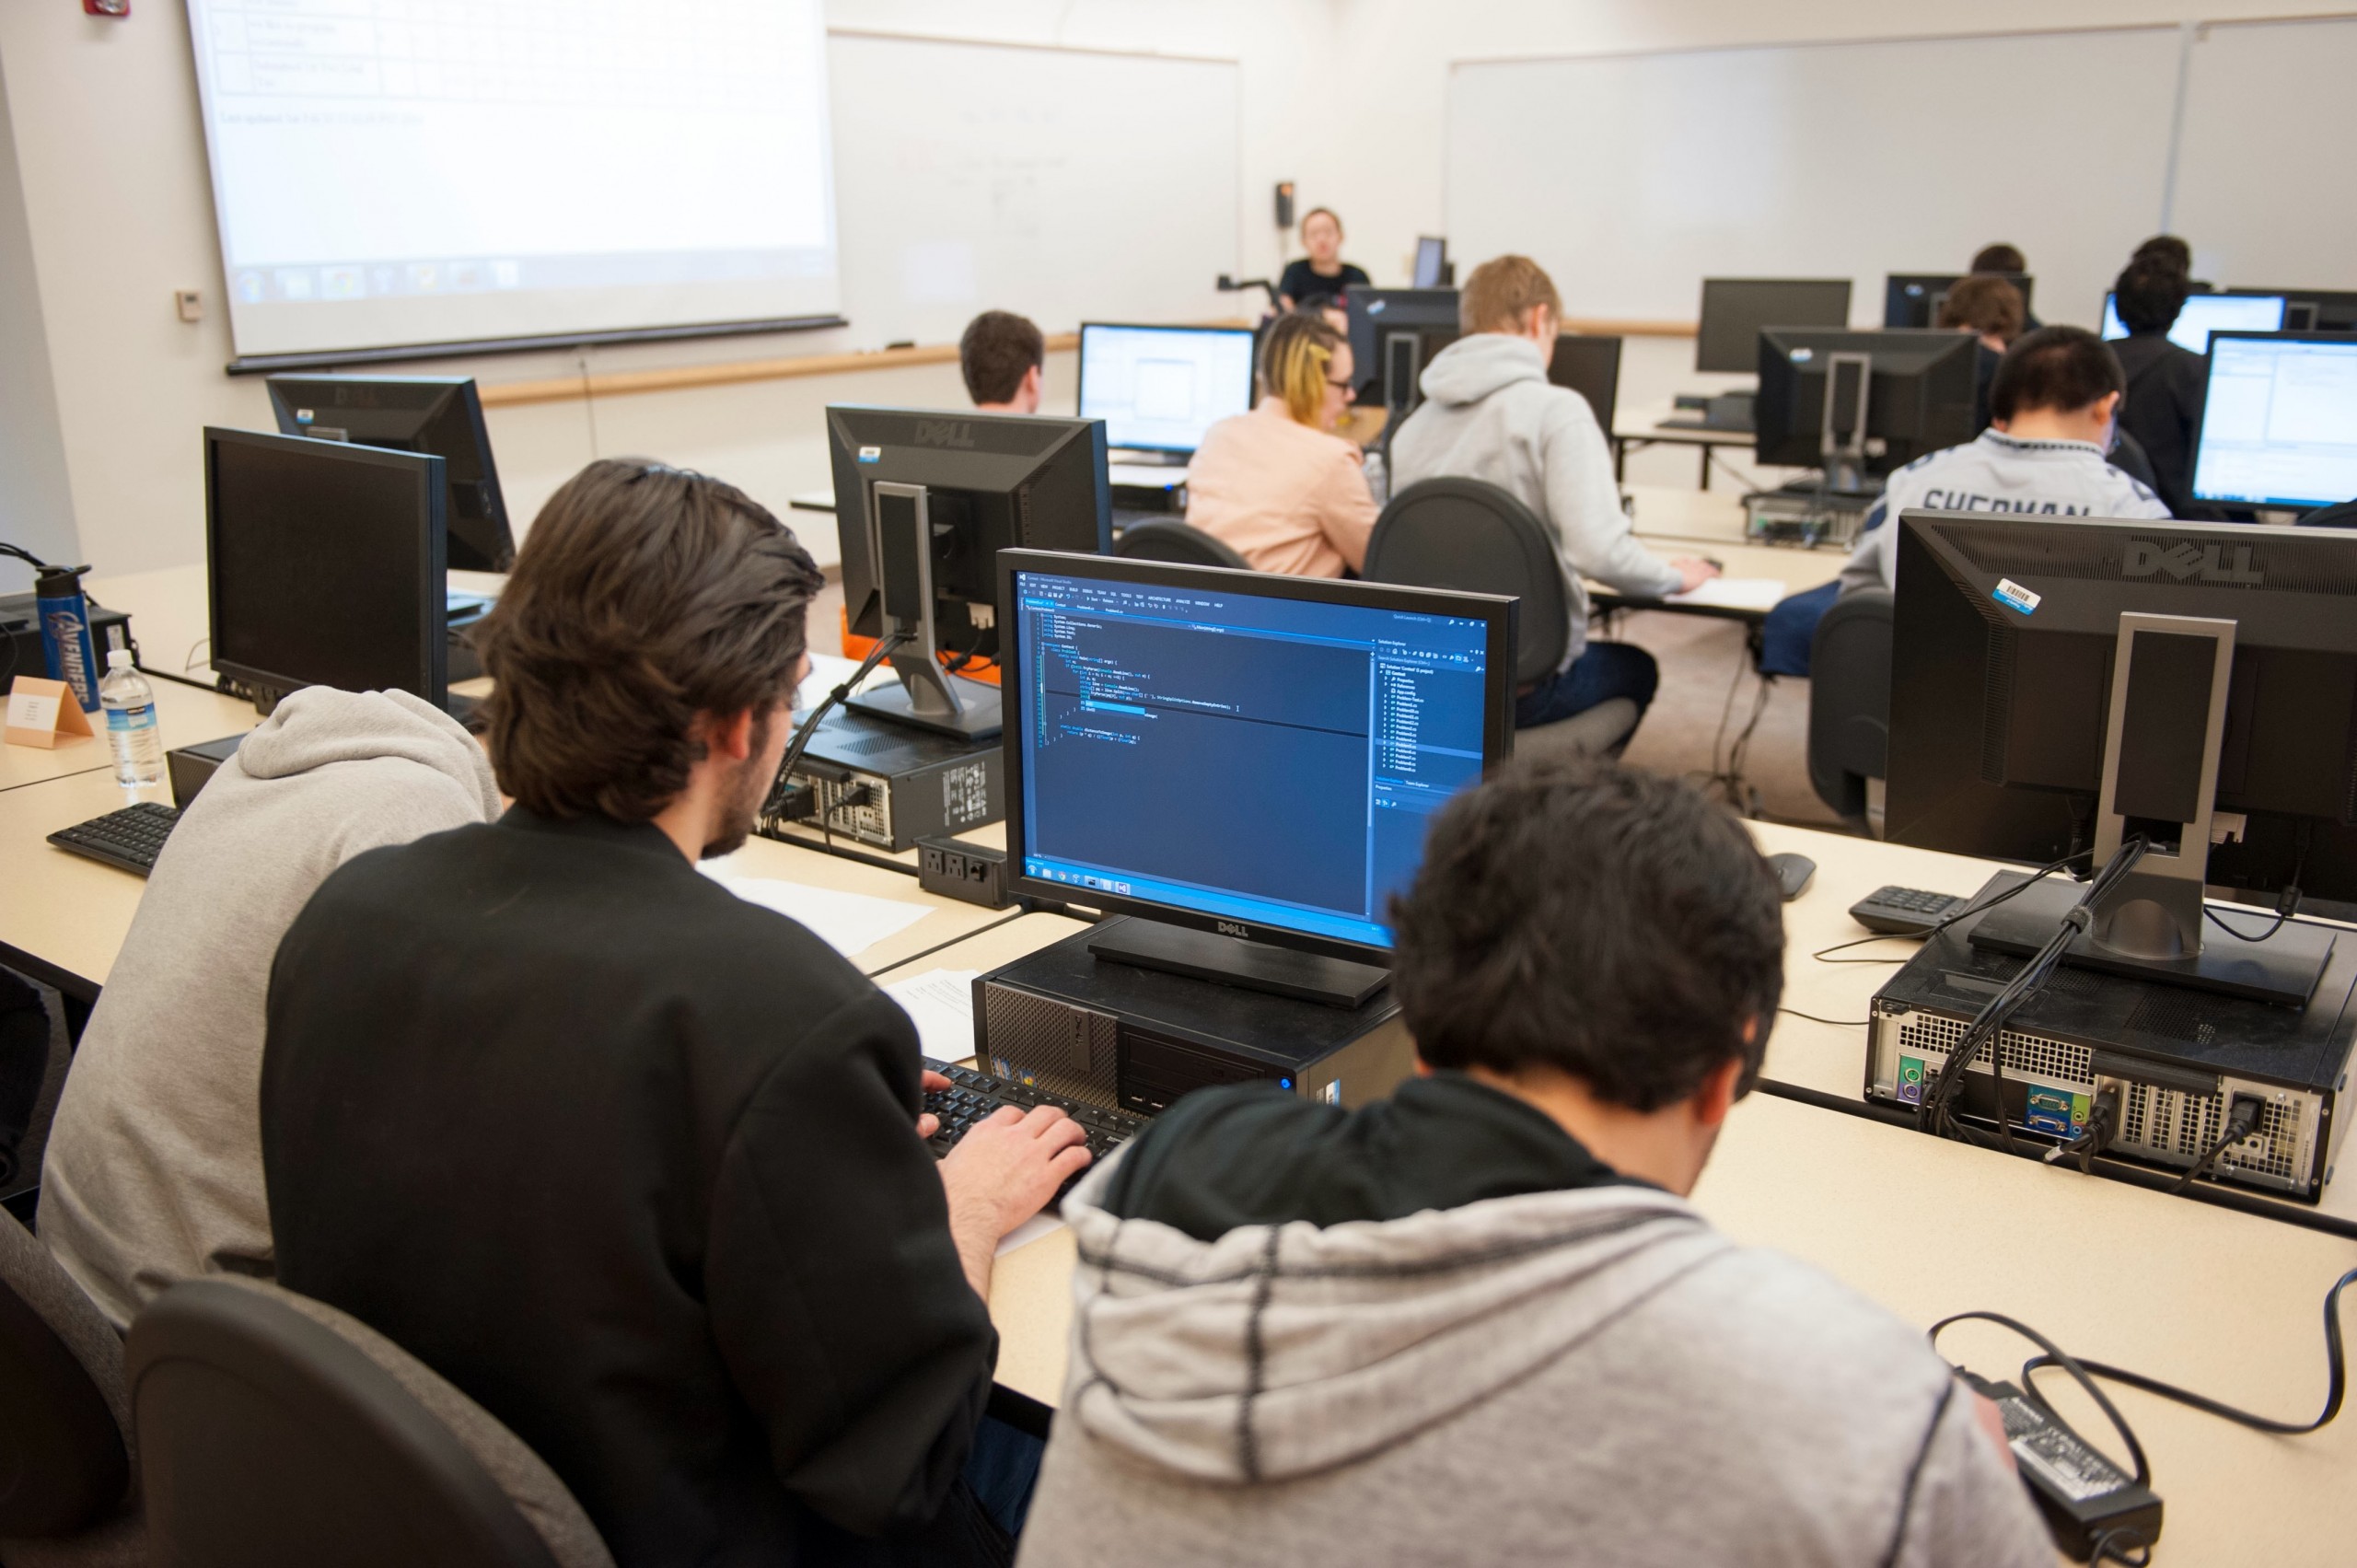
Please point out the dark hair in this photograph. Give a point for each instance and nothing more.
(2065, 368)
(2000, 258)
(2165, 248)
(1316, 304)
(998, 349)
(642, 597)
(1574, 914)
(1985, 304)
(2149, 294)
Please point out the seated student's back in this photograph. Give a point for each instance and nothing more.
(1277, 485)
(2165, 383)
(1479, 1321)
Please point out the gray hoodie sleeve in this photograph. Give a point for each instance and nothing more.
(1966, 1505)
(1584, 501)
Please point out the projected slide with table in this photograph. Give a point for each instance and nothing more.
(415, 171)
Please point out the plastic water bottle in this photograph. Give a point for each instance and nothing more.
(130, 703)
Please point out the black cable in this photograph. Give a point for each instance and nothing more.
(2336, 1378)
(2056, 1355)
(1837, 1023)
(2242, 1120)
(2115, 1544)
(2287, 905)
(885, 648)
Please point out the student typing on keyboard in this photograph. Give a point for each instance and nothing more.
(635, 1164)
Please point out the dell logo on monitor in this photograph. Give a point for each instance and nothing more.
(2182, 561)
(952, 433)
(1229, 928)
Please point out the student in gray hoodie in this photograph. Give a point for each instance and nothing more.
(154, 1168)
(1479, 1321)
(1491, 414)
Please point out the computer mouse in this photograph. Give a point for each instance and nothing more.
(1792, 871)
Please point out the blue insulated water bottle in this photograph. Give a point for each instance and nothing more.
(65, 632)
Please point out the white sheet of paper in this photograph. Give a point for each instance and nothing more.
(32, 710)
(1734, 593)
(941, 1004)
(1145, 476)
(1030, 1230)
(848, 923)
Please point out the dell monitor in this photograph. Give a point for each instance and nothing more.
(1252, 757)
(1736, 310)
(324, 565)
(1394, 335)
(2204, 314)
(1590, 367)
(1431, 262)
(440, 415)
(2060, 684)
(925, 501)
(1913, 299)
(1158, 388)
(2279, 421)
(1863, 403)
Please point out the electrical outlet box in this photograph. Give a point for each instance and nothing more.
(190, 303)
(955, 870)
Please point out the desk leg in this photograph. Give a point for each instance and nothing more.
(1704, 448)
(1619, 461)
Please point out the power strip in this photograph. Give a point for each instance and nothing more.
(956, 869)
(2084, 1496)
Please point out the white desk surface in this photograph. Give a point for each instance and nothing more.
(1642, 421)
(183, 714)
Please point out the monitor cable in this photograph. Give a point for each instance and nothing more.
(886, 646)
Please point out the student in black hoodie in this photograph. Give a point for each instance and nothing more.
(2165, 383)
(633, 1162)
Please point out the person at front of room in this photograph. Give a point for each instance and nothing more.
(1005, 360)
(1479, 1321)
(1277, 485)
(2165, 383)
(1991, 308)
(2053, 404)
(634, 1163)
(1491, 414)
(1323, 271)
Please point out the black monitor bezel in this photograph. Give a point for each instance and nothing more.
(1080, 371)
(427, 469)
(2209, 365)
(459, 391)
(1497, 730)
(2024, 283)
(1749, 362)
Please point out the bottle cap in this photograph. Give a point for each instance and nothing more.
(118, 658)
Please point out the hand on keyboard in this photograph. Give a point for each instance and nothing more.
(1012, 1162)
(928, 1124)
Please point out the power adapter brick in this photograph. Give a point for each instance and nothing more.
(2084, 1496)
(956, 869)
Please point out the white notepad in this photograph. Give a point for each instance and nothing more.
(941, 1004)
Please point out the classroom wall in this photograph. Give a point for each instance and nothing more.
(36, 511)
(117, 203)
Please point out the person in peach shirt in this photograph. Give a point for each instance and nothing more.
(1277, 485)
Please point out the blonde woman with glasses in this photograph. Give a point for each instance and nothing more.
(1277, 485)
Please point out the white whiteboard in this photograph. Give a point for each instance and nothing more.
(1062, 184)
(2269, 165)
(1631, 177)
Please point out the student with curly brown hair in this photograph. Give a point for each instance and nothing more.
(634, 1163)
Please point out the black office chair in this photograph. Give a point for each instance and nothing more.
(1463, 534)
(65, 1466)
(277, 1432)
(1849, 703)
(1167, 541)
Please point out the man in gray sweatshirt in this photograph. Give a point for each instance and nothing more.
(154, 1168)
(1479, 1322)
(1491, 414)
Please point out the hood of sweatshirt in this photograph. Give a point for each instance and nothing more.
(1472, 367)
(319, 724)
(1278, 1351)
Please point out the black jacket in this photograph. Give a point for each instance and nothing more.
(633, 1163)
(2163, 410)
(1300, 281)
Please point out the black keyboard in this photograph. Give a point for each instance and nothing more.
(131, 838)
(1903, 911)
(971, 1096)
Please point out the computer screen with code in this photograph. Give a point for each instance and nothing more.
(2279, 426)
(1266, 759)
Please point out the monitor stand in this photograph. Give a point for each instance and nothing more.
(901, 547)
(1231, 960)
(2283, 969)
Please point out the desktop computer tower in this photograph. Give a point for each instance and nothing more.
(1133, 1039)
(889, 785)
(2178, 1059)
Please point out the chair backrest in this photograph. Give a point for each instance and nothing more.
(276, 1431)
(1848, 700)
(1177, 542)
(1463, 534)
(65, 1459)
